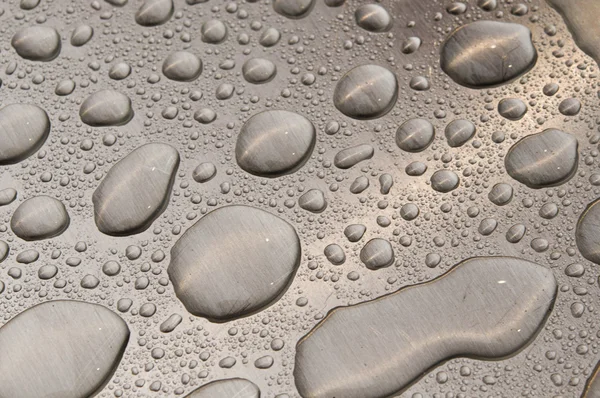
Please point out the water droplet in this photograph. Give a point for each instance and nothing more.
(37, 43)
(366, 92)
(487, 53)
(233, 262)
(136, 190)
(106, 108)
(544, 159)
(182, 66)
(23, 130)
(90, 336)
(40, 217)
(330, 361)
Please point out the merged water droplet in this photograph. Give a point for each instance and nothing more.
(592, 386)
(420, 326)
(581, 18)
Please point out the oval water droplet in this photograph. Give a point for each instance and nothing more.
(235, 261)
(275, 143)
(487, 53)
(23, 130)
(366, 92)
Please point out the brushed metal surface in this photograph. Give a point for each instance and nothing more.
(299, 198)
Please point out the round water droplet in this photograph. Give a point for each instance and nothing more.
(204, 172)
(81, 35)
(444, 181)
(274, 143)
(512, 108)
(373, 17)
(313, 201)
(258, 70)
(119, 71)
(415, 135)
(458, 132)
(64, 87)
(154, 12)
(544, 159)
(182, 66)
(366, 92)
(377, 253)
(213, 31)
(569, 107)
(501, 194)
(293, 9)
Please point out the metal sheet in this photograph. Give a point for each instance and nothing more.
(299, 198)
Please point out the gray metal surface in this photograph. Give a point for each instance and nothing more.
(299, 198)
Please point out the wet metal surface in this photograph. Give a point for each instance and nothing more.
(299, 198)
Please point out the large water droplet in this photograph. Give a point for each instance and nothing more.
(37, 43)
(274, 143)
(233, 262)
(106, 108)
(23, 130)
(66, 349)
(487, 53)
(544, 159)
(40, 217)
(420, 326)
(366, 92)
